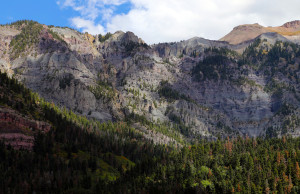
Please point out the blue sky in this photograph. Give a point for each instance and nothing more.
(45, 11)
(153, 20)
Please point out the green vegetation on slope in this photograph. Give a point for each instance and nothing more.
(240, 165)
(28, 37)
(213, 67)
(170, 94)
(103, 38)
(76, 155)
(103, 90)
(164, 128)
(56, 36)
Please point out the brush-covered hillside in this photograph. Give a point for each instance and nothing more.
(57, 151)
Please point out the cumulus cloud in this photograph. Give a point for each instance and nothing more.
(87, 26)
(173, 20)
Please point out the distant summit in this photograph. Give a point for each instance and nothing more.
(242, 33)
(292, 25)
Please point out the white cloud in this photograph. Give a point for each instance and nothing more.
(173, 20)
(87, 26)
(90, 9)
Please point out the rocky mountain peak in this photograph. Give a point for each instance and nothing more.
(117, 36)
(248, 32)
(107, 77)
(131, 37)
(125, 37)
(247, 27)
(293, 24)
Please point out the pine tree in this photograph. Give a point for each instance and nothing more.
(297, 171)
(267, 188)
(290, 186)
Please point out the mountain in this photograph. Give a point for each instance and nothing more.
(111, 114)
(47, 149)
(199, 87)
(48, 143)
(242, 33)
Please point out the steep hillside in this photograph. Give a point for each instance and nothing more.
(172, 92)
(112, 114)
(44, 148)
(80, 156)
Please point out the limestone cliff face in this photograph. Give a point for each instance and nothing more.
(109, 78)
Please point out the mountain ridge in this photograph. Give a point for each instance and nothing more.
(111, 114)
(200, 87)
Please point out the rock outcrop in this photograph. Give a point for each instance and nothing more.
(17, 130)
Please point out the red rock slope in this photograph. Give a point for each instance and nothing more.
(18, 130)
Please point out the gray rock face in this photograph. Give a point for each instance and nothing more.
(107, 80)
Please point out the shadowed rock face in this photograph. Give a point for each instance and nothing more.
(107, 80)
(18, 131)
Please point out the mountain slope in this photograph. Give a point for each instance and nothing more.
(81, 156)
(166, 101)
(174, 92)
(60, 149)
